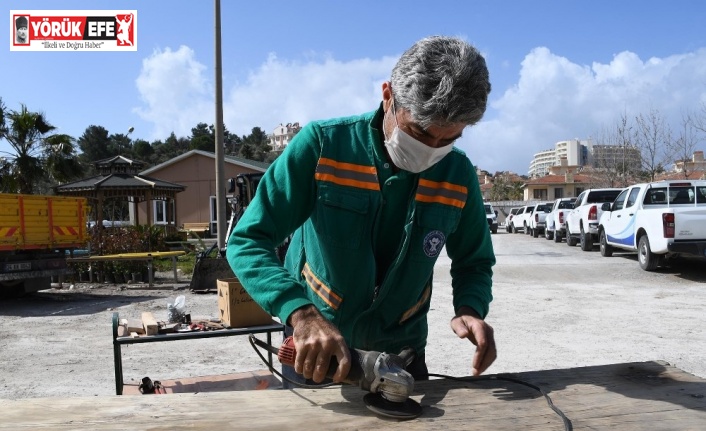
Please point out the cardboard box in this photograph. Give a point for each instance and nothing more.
(236, 308)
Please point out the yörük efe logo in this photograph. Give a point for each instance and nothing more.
(73, 30)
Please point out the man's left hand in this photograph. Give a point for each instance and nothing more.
(468, 324)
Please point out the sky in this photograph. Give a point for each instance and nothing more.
(559, 69)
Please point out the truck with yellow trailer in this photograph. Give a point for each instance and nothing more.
(36, 234)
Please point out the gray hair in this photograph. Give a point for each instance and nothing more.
(441, 80)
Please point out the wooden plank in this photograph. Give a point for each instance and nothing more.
(150, 323)
(167, 328)
(246, 381)
(135, 325)
(122, 330)
(637, 396)
(142, 256)
(197, 226)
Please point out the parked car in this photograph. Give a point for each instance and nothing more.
(582, 221)
(519, 221)
(557, 216)
(508, 220)
(537, 221)
(492, 216)
(656, 220)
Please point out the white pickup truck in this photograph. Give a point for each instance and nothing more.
(555, 219)
(520, 220)
(491, 215)
(537, 222)
(656, 220)
(582, 220)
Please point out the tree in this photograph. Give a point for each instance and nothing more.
(605, 163)
(62, 162)
(616, 160)
(170, 148)
(271, 156)
(698, 119)
(120, 145)
(652, 133)
(684, 144)
(39, 156)
(94, 144)
(142, 150)
(234, 143)
(255, 146)
(203, 137)
(506, 188)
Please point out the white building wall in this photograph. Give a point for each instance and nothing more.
(282, 135)
(573, 150)
(541, 163)
(697, 163)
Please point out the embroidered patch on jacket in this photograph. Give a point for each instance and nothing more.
(433, 243)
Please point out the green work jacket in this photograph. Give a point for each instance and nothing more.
(325, 189)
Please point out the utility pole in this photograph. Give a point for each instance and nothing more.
(220, 166)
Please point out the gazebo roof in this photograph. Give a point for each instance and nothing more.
(113, 181)
(119, 176)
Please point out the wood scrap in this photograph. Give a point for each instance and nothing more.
(135, 325)
(150, 323)
(168, 328)
(122, 330)
(210, 325)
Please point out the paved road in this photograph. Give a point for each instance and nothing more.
(557, 306)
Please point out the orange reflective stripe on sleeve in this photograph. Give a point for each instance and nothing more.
(347, 174)
(425, 297)
(326, 294)
(441, 192)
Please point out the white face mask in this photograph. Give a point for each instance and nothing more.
(410, 154)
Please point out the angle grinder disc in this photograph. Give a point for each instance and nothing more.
(409, 409)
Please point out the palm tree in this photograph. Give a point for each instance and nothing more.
(38, 156)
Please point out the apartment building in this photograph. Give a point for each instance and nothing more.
(620, 157)
(282, 135)
(575, 151)
(697, 163)
(562, 181)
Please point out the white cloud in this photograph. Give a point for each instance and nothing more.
(175, 92)
(177, 95)
(556, 99)
(283, 92)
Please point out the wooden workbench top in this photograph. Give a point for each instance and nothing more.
(634, 396)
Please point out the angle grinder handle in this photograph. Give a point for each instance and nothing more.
(287, 354)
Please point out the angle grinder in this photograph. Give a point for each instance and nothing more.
(381, 374)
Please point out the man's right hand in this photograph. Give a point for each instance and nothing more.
(316, 341)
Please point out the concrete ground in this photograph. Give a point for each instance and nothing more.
(555, 307)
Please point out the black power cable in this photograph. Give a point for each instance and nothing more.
(567, 423)
(255, 342)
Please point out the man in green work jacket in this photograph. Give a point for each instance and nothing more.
(371, 200)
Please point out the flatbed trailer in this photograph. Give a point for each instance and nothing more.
(36, 234)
